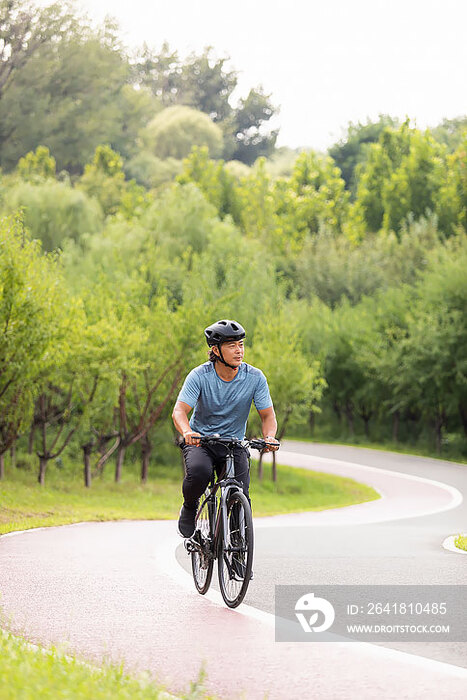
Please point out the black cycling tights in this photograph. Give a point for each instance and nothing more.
(199, 463)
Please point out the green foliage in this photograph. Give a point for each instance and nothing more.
(200, 81)
(204, 83)
(334, 268)
(352, 150)
(214, 180)
(295, 381)
(63, 88)
(461, 542)
(405, 175)
(451, 132)
(174, 131)
(54, 211)
(150, 171)
(38, 165)
(31, 302)
(246, 137)
(104, 180)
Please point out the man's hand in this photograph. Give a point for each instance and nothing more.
(191, 438)
(274, 444)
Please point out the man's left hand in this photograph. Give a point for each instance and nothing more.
(274, 444)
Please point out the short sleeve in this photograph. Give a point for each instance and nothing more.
(262, 397)
(191, 389)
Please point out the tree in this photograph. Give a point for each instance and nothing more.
(214, 180)
(64, 87)
(37, 166)
(113, 340)
(351, 151)
(54, 211)
(104, 180)
(246, 137)
(207, 85)
(451, 132)
(174, 131)
(295, 382)
(30, 301)
(26, 29)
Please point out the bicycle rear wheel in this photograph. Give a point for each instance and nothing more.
(202, 559)
(236, 550)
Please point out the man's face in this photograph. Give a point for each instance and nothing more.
(233, 351)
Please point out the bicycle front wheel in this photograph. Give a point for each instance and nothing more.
(236, 550)
(202, 559)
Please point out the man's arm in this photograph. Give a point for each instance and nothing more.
(180, 419)
(269, 427)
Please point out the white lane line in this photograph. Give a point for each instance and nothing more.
(451, 547)
(352, 469)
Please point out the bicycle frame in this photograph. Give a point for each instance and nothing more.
(226, 485)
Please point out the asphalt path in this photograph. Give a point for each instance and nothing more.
(405, 548)
(119, 591)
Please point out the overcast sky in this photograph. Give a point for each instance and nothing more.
(325, 63)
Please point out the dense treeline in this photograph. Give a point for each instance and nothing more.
(71, 86)
(347, 271)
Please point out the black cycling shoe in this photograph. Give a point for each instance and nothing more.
(186, 522)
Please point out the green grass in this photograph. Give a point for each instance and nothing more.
(63, 500)
(461, 542)
(31, 673)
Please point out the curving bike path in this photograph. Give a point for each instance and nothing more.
(117, 591)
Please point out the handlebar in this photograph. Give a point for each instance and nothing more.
(230, 442)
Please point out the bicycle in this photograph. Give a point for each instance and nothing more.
(224, 529)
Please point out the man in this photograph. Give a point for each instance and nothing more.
(220, 391)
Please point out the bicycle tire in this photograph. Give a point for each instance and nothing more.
(202, 564)
(235, 560)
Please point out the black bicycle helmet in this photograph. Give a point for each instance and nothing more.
(222, 331)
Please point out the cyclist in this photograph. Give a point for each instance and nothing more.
(220, 391)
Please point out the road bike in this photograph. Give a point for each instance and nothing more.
(224, 528)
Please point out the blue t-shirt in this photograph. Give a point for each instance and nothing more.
(223, 407)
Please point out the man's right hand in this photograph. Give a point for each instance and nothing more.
(191, 438)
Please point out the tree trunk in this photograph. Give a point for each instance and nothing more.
(438, 432)
(42, 469)
(146, 449)
(311, 422)
(13, 455)
(87, 450)
(2, 466)
(31, 439)
(119, 465)
(337, 410)
(463, 415)
(274, 467)
(349, 416)
(260, 466)
(395, 426)
(366, 421)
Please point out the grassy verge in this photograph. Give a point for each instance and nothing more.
(386, 447)
(23, 504)
(461, 542)
(30, 673)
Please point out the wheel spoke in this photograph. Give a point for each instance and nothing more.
(236, 558)
(201, 559)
